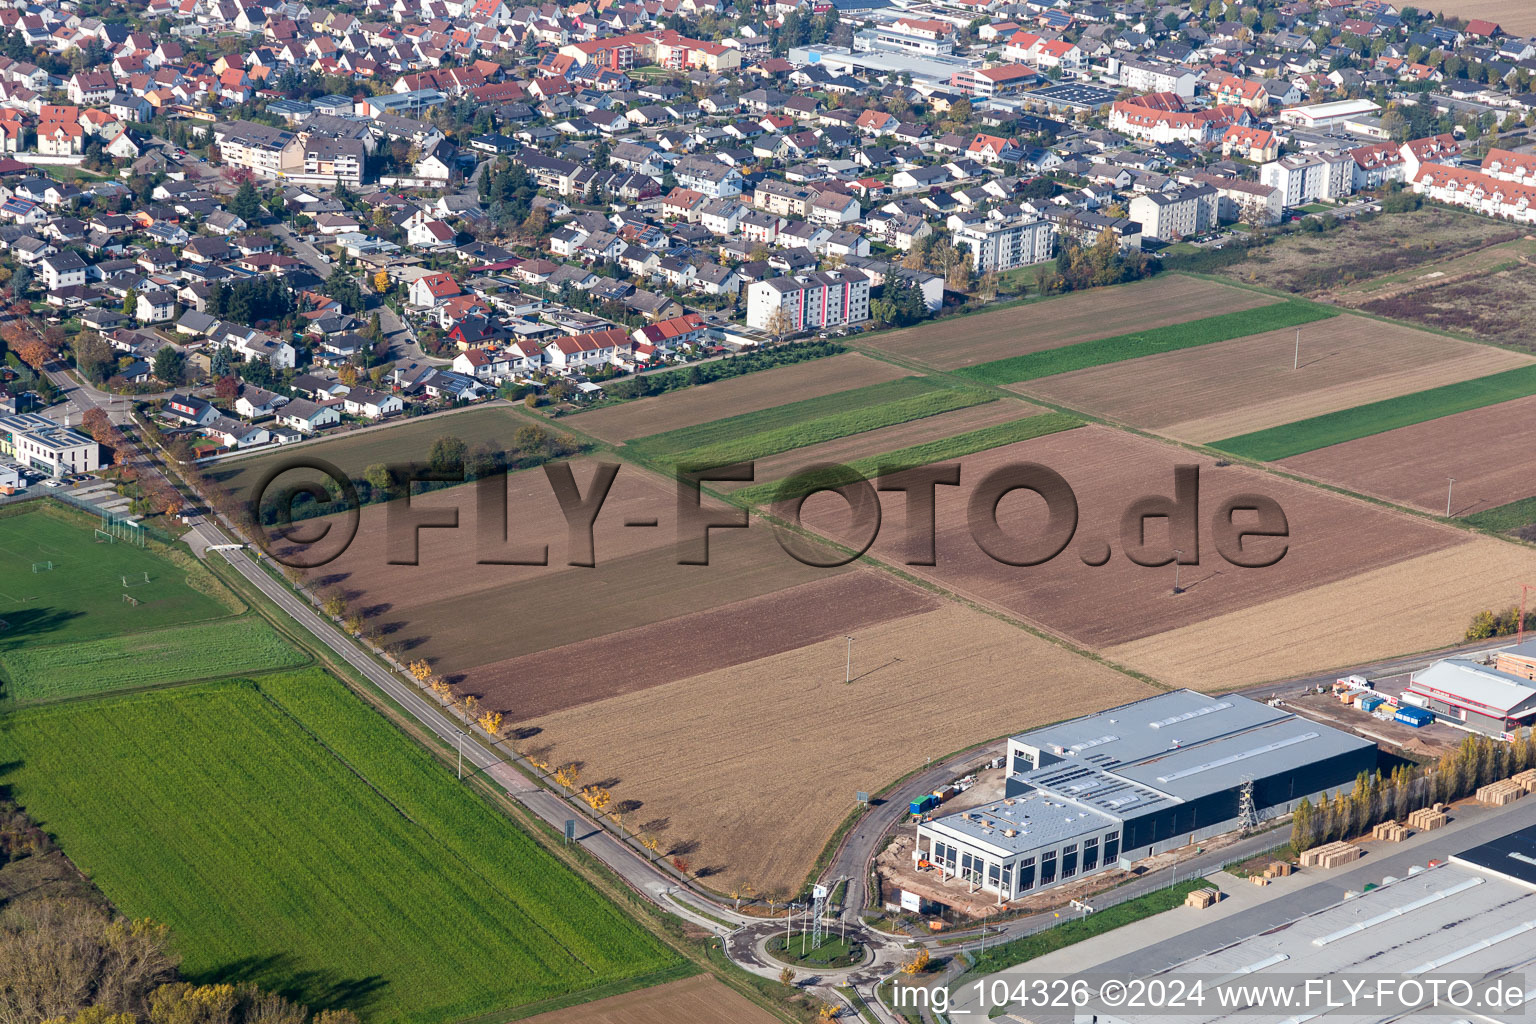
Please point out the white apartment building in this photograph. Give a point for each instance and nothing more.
(1155, 76)
(997, 246)
(1179, 214)
(809, 301)
(1307, 177)
(263, 150)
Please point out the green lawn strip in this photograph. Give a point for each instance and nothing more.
(204, 651)
(289, 835)
(1379, 417)
(920, 455)
(1011, 954)
(1120, 347)
(1504, 518)
(716, 431)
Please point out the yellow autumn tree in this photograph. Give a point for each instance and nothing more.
(381, 282)
(917, 965)
(490, 721)
(420, 670)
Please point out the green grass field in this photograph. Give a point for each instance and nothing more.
(289, 835)
(1206, 331)
(1504, 518)
(81, 598)
(800, 424)
(201, 651)
(1378, 417)
(919, 455)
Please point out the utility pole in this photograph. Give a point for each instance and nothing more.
(460, 738)
(1178, 556)
(1450, 483)
(1296, 359)
(848, 668)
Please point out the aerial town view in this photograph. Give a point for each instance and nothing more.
(751, 511)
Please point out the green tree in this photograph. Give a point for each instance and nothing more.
(169, 365)
(130, 302)
(447, 454)
(247, 203)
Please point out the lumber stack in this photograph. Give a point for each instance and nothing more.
(1497, 794)
(1427, 818)
(1259, 879)
(1526, 779)
(1202, 898)
(1330, 855)
(1390, 831)
(1278, 869)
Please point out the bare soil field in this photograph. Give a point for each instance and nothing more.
(1514, 16)
(1478, 263)
(1418, 604)
(1486, 451)
(1499, 306)
(751, 768)
(702, 641)
(1331, 538)
(447, 558)
(697, 1000)
(890, 439)
(1362, 249)
(1081, 316)
(405, 440)
(459, 634)
(1233, 387)
(748, 393)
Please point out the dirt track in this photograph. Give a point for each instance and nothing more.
(1081, 316)
(1486, 450)
(697, 1000)
(1233, 387)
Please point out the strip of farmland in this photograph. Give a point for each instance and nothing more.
(793, 430)
(1506, 518)
(1379, 417)
(1190, 334)
(917, 455)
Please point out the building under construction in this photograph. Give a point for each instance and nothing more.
(1137, 780)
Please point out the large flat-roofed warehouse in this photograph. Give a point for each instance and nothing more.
(1471, 918)
(1134, 781)
(1463, 693)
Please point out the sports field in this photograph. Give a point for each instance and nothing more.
(290, 836)
(1068, 319)
(758, 763)
(1483, 450)
(1146, 342)
(1254, 383)
(1378, 417)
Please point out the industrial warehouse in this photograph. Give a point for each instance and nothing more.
(1497, 700)
(1471, 918)
(1137, 780)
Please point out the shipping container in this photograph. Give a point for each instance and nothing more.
(923, 804)
(1415, 717)
(1370, 703)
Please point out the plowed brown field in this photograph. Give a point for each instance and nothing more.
(758, 763)
(1485, 450)
(1331, 538)
(697, 1000)
(1517, 17)
(687, 645)
(1081, 316)
(1234, 387)
(1418, 604)
(747, 393)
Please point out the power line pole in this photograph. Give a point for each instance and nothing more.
(848, 668)
(1296, 359)
(1450, 483)
(1178, 556)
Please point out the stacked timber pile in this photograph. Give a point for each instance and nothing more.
(1278, 869)
(1527, 779)
(1497, 794)
(1202, 898)
(1427, 818)
(1391, 831)
(1330, 855)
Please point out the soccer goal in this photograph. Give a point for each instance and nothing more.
(136, 580)
(103, 537)
(42, 566)
(130, 600)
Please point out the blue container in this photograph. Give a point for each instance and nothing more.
(923, 804)
(1369, 703)
(1416, 717)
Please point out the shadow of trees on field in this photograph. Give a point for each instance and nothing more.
(317, 989)
(23, 624)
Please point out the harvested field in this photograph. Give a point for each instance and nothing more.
(1235, 387)
(758, 763)
(1419, 604)
(1486, 450)
(747, 393)
(1331, 538)
(400, 441)
(702, 641)
(1033, 327)
(889, 439)
(697, 1000)
(1497, 306)
(447, 558)
(459, 634)
(1361, 249)
(1514, 16)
